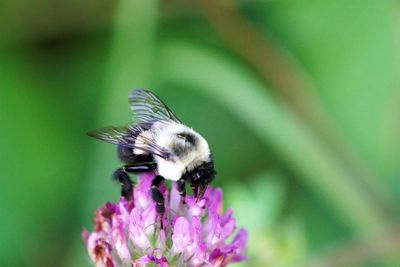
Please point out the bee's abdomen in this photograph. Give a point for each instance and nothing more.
(126, 155)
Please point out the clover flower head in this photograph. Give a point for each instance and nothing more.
(194, 233)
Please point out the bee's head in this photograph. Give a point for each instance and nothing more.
(200, 177)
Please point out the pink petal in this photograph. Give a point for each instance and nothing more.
(136, 232)
(119, 239)
(181, 236)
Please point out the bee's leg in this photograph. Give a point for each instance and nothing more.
(181, 184)
(121, 175)
(125, 181)
(199, 188)
(195, 190)
(158, 197)
(202, 190)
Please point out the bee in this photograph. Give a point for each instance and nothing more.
(159, 142)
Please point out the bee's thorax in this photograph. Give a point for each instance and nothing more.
(189, 150)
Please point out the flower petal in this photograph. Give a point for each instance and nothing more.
(142, 196)
(119, 239)
(127, 233)
(137, 232)
(100, 250)
(181, 236)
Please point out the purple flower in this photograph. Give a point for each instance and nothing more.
(194, 234)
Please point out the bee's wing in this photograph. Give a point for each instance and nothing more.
(114, 135)
(148, 108)
(125, 136)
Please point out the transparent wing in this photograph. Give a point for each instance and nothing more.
(148, 108)
(126, 136)
(113, 135)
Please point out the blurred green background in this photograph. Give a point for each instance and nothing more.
(299, 101)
